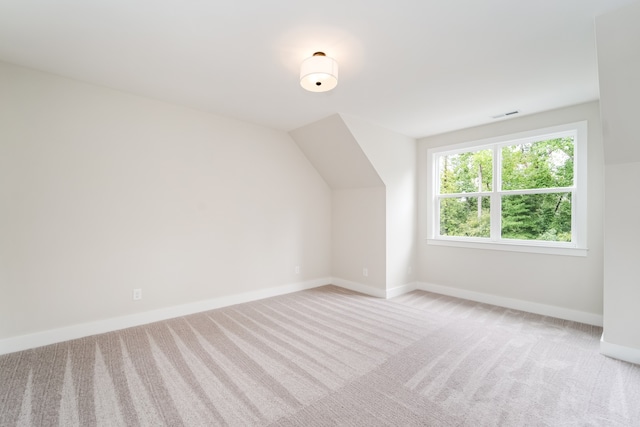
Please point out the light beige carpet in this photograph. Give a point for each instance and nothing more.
(328, 357)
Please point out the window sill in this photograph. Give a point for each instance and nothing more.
(511, 247)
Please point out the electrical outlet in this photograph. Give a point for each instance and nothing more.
(365, 272)
(296, 270)
(137, 294)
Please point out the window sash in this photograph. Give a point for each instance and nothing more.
(577, 191)
(496, 213)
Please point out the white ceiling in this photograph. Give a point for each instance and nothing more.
(418, 67)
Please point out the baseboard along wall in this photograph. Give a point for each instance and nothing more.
(516, 304)
(52, 336)
(359, 287)
(620, 352)
(23, 342)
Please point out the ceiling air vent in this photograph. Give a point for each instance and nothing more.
(510, 113)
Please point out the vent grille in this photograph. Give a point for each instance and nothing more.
(510, 113)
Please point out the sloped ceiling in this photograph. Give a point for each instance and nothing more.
(333, 151)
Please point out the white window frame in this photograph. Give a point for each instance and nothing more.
(578, 245)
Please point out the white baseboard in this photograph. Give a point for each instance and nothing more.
(374, 292)
(401, 290)
(620, 352)
(360, 287)
(516, 304)
(38, 339)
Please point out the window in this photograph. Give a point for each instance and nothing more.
(524, 192)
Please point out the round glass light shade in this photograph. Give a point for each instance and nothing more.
(319, 73)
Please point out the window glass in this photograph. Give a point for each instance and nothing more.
(541, 164)
(466, 172)
(544, 217)
(465, 216)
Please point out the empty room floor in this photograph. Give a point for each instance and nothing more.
(328, 356)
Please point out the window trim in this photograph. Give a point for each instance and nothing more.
(578, 247)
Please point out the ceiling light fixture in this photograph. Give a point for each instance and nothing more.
(319, 73)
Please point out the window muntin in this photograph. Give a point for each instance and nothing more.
(525, 190)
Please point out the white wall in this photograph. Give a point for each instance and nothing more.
(358, 239)
(622, 279)
(567, 282)
(372, 172)
(358, 220)
(394, 158)
(618, 42)
(102, 192)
